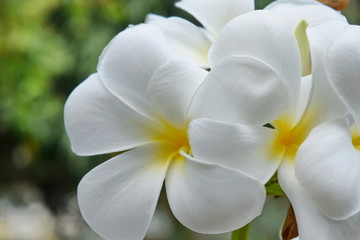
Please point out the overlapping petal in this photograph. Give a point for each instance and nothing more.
(171, 89)
(241, 90)
(214, 14)
(129, 61)
(312, 224)
(267, 37)
(186, 40)
(305, 97)
(325, 104)
(211, 199)
(342, 66)
(118, 198)
(328, 166)
(241, 147)
(97, 122)
(312, 11)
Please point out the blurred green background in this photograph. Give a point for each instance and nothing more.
(47, 47)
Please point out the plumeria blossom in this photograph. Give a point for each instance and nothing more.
(332, 149)
(328, 207)
(193, 43)
(322, 210)
(160, 110)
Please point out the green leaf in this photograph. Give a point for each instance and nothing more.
(273, 187)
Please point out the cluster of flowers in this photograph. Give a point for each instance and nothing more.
(215, 111)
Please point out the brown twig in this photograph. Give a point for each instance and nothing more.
(290, 229)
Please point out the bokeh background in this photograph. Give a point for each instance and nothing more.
(47, 47)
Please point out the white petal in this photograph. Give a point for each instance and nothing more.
(97, 122)
(150, 18)
(211, 199)
(312, 11)
(172, 88)
(312, 224)
(342, 65)
(214, 14)
(306, 91)
(328, 166)
(118, 198)
(241, 147)
(324, 105)
(129, 61)
(265, 36)
(186, 40)
(241, 90)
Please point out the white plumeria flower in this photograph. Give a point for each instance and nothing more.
(300, 105)
(143, 101)
(329, 160)
(193, 43)
(323, 186)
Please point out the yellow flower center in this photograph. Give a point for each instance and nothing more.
(289, 136)
(176, 139)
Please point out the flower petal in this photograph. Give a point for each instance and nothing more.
(246, 34)
(313, 12)
(328, 166)
(312, 224)
(214, 14)
(342, 66)
(304, 47)
(186, 40)
(211, 199)
(97, 122)
(324, 105)
(241, 90)
(306, 91)
(118, 198)
(129, 61)
(241, 147)
(172, 88)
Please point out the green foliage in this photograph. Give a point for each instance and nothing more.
(46, 49)
(273, 188)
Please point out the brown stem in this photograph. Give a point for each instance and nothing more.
(290, 229)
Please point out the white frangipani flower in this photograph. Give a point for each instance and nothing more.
(328, 162)
(193, 43)
(325, 192)
(335, 152)
(301, 105)
(143, 101)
